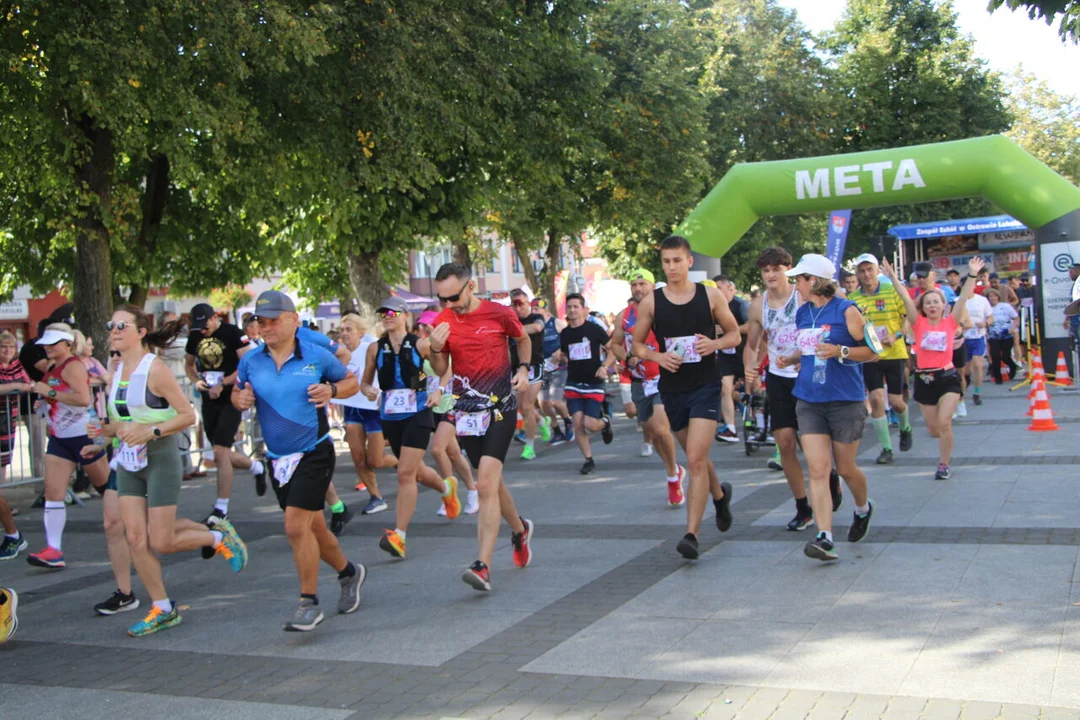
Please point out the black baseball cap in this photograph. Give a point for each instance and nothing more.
(994, 276)
(923, 269)
(272, 303)
(200, 314)
(1025, 276)
(953, 271)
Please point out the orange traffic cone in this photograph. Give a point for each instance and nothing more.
(1031, 398)
(1043, 418)
(1005, 376)
(1037, 369)
(1061, 374)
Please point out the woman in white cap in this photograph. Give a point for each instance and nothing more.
(65, 398)
(831, 407)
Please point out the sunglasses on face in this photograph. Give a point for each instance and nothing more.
(388, 314)
(118, 326)
(521, 303)
(454, 298)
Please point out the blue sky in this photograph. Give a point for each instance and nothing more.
(1004, 39)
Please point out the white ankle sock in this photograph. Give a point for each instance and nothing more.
(222, 504)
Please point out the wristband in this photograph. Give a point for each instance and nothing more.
(973, 277)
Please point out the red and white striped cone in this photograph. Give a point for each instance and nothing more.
(1043, 418)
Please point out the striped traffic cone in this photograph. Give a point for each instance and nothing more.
(1031, 398)
(1037, 369)
(1005, 376)
(1043, 418)
(1061, 373)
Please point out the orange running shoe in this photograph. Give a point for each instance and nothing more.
(393, 543)
(451, 501)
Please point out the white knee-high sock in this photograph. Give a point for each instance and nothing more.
(55, 519)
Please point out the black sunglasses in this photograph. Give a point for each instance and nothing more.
(454, 298)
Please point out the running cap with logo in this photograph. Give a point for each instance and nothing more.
(200, 314)
(642, 274)
(813, 264)
(272, 303)
(51, 337)
(923, 269)
(394, 303)
(865, 257)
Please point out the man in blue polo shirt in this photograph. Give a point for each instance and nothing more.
(290, 381)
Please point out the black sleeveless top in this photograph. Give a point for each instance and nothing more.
(675, 321)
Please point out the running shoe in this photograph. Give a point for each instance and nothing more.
(588, 468)
(478, 576)
(886, 457)
(156, 619)
(944, 472)
(360, 487)
(688, 547)
(11, 547)
(675, 495)
(820, 548)
(519, 437)
(528, 453)
(9, 620)
(472, 502)
(860, 524)
(835, 490)
(800, 522)
(231, 547)
(723, 508)
(393, 543)
(305, 618)
(557, 437)
(118, 602)
(906, 440)
(774, 462)
(350, 590)
(260, 481)
(520, 542)
(646, 450)
(544, 428)
(210, 521)
(961, 410)
(894, 421)
(50, 557)
(607, 433)
(375, 505)
(569, 433)
(727, 434)
(451, 501)
(338, 521)
(975, 398)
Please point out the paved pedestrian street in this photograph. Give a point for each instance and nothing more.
(963, 601)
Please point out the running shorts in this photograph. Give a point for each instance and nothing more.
(413, 432)
(159, 482)
(841, 420)
(932, 385)
(364, 416)
(495, 443)
(885, 374)
(307, 487)
(70, 449)
(646, 405)
(553, 388)
(220, 421)
(702, 402)
(976, 347)
(782, 402)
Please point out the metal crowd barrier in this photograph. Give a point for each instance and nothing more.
(23, 435)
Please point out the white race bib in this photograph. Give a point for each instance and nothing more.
(809, 339)
(882, 332)
(936, 341)
(651, 386)
(212, 378)
(729, 351)
(285, 466)
(683, 346)
(399, 402)
(581, 350)
(132, 459)
(472, 424)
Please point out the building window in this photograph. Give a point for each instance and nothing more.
(421, 265)
(516, 261)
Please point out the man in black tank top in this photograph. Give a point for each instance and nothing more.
(684, 317)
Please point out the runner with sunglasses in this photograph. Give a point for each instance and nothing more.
(473, 335)
(146, 410)
(684, 317)
(405, 411)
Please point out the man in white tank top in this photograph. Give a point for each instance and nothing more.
(772, 315)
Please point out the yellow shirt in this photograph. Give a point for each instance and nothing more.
(886, 310)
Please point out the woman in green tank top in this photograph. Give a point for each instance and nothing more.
(147, 409)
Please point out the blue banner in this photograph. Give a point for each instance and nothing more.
(839, 220)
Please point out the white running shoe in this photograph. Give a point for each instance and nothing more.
(442, 510)
(961, 410)
(472, 502)
(646, 449)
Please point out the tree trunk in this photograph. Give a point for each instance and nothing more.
(138, 295)
(346, 302)
(93, 289)
(369, 287)
(551, 268)
(526, 267)
(462, 254)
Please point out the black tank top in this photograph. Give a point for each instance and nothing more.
(684, 321)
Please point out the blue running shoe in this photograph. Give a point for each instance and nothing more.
(158, 619)
(894, 421)
(231, 547)
(11, 547)
(377, 505)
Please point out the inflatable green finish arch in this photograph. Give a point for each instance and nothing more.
(993, 167)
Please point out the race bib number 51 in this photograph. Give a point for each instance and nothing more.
(472, 424)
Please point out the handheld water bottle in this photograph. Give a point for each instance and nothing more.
(820, 363)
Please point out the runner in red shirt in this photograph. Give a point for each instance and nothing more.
(474, 334)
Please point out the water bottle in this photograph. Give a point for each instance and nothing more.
(96, 422)
(820, 363)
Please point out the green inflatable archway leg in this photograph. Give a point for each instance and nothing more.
(993, 167)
